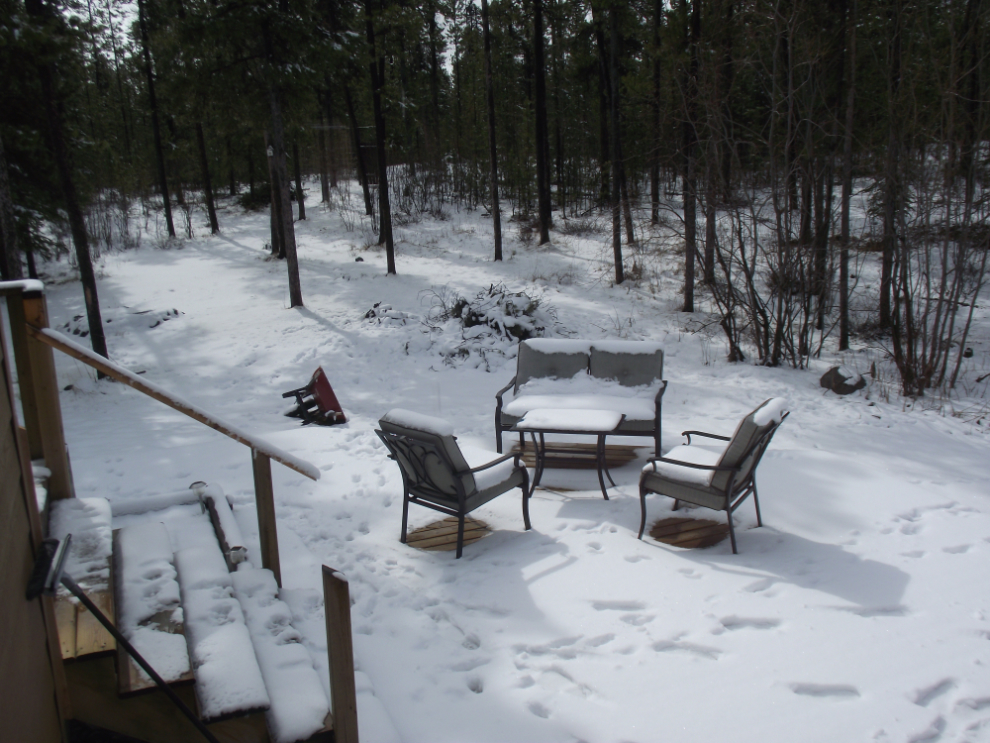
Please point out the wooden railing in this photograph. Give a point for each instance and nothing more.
(33, 341)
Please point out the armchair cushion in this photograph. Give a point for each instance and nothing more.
(688, 475)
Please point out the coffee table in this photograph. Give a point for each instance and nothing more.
(587, 422)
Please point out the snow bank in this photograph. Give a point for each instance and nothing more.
(228, 679)
(299, 705)
(88, 521)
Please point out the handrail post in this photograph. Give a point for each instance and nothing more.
(264, 496)
(39, 393)
(340, 653)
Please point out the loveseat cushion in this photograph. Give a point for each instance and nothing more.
(630, 363)
(541, 358)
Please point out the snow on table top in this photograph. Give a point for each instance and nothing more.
(228, 679)
(299, 704)
(568, 419)
(418, 421)
(88, 521)
(693, 455)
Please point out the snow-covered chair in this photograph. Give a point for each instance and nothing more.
(442, 475)
(713, 477)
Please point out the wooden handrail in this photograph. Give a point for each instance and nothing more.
(67, 346)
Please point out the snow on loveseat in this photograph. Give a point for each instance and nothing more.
(624, 376)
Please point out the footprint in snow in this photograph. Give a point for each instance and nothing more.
(759, 585)
(595, 546)
(932, 733)
(635, 558)
(618, 605)
(924, 697)
(732, 623)
(701, 651)
(597, 642)
(826, 691)
(475, 684)
(957, 550)
(538, 709)
(637, 620)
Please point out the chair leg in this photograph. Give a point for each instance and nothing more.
(405, 516)
(677, 504)
(756, 502)
(732, 531)
(460, 535)
(642, 505)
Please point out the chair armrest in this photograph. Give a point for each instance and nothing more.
(494, 462)
(689, 434)
(709, 467)
(663, 388)
(498, 395)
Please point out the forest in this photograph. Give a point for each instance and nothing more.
(738, 132)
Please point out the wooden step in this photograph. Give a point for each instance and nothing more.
(80, 634)
(130, 678)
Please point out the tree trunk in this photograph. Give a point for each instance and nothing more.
(847, 143)
(230, 167)
(492, 151)
(891, 200)
(616, 156)
(324, 181)
(656, 121)
(300, 196)
(275, 213)
(362, 170)
(543, 200)
(10, 255)
(204, 165)
(77, 223)
(377, 68)
(155, 127)
(690, 140)
(281, 171)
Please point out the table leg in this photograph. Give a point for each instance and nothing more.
(600, 451)
(539, 454)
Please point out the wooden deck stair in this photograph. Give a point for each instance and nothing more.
(111, 692)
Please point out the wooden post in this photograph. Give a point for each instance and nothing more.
(264, 495)
(337, 607)
(25, 379)
(46, 408)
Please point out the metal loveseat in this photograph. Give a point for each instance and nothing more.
(558, 374)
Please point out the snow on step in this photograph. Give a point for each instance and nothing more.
(299, 705)
(148, 607)
(88, 521)
(228, 679)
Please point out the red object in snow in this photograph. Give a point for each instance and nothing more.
(317, 402)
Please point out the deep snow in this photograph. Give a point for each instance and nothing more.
(860, 611)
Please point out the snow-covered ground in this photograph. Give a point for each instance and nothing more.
(860, 611)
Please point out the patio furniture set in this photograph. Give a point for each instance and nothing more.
(588, 388)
